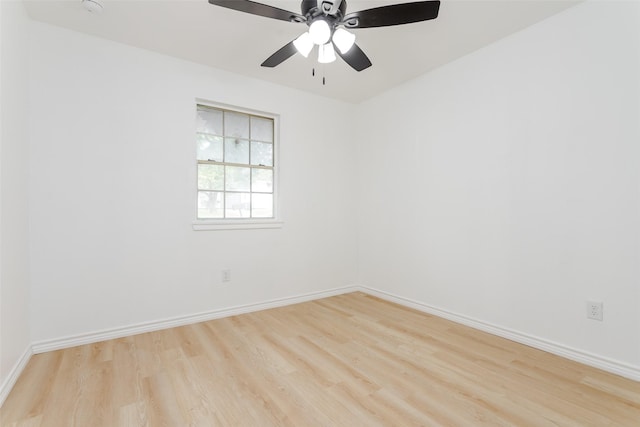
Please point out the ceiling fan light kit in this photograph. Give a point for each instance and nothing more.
(320, 31)
(304, 44)
(326, 19)
(343, 40)
(326, 53)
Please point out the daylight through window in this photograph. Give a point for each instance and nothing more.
(235, 154)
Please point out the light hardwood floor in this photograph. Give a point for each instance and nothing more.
(350, 360)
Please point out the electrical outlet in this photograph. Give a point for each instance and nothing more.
(226, 275)
(594, 310)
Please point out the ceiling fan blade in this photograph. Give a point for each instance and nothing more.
(395, 14)
(259, 9)
(281, 55)
(355, 57)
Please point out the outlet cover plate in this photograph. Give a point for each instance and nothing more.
(594, 310)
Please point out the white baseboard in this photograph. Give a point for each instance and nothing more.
(107, 334)
(606, 364)
(15, 372)
(609, 365)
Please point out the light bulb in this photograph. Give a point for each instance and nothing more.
(320, 31)
(343, 39)
(303, 44)
(326, 54)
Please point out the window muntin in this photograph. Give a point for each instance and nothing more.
(235, 156)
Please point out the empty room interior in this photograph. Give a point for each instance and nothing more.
(437, 225)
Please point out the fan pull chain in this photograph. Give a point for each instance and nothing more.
(313, 73)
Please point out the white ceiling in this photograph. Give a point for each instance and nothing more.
(197, 31)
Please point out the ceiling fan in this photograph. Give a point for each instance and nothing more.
(327, 21)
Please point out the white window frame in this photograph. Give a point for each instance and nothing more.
(241, 223)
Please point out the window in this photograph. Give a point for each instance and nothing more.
(235, 161)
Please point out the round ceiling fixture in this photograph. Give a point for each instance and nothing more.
(93, 6)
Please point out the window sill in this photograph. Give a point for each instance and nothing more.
(204, 225)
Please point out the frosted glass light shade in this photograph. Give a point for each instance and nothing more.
(326, 54)
(304, 44)
(343, 39)
(320, 32)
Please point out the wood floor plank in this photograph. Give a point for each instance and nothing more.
(350, 360)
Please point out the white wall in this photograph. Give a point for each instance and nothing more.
(502, 187)
(14, 255)
(113, 197)
(505, 186)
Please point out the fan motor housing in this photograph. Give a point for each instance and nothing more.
(310, 8)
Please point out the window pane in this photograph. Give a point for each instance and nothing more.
(237, 178)
(210, 204)
(262, 205)
(209, 147)
(238, 205)
(236, 124)
(262, 180)
(261, 129)
(210, 177)
(261, 153)
(235, 164)
(236, 150)
(209, 121)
